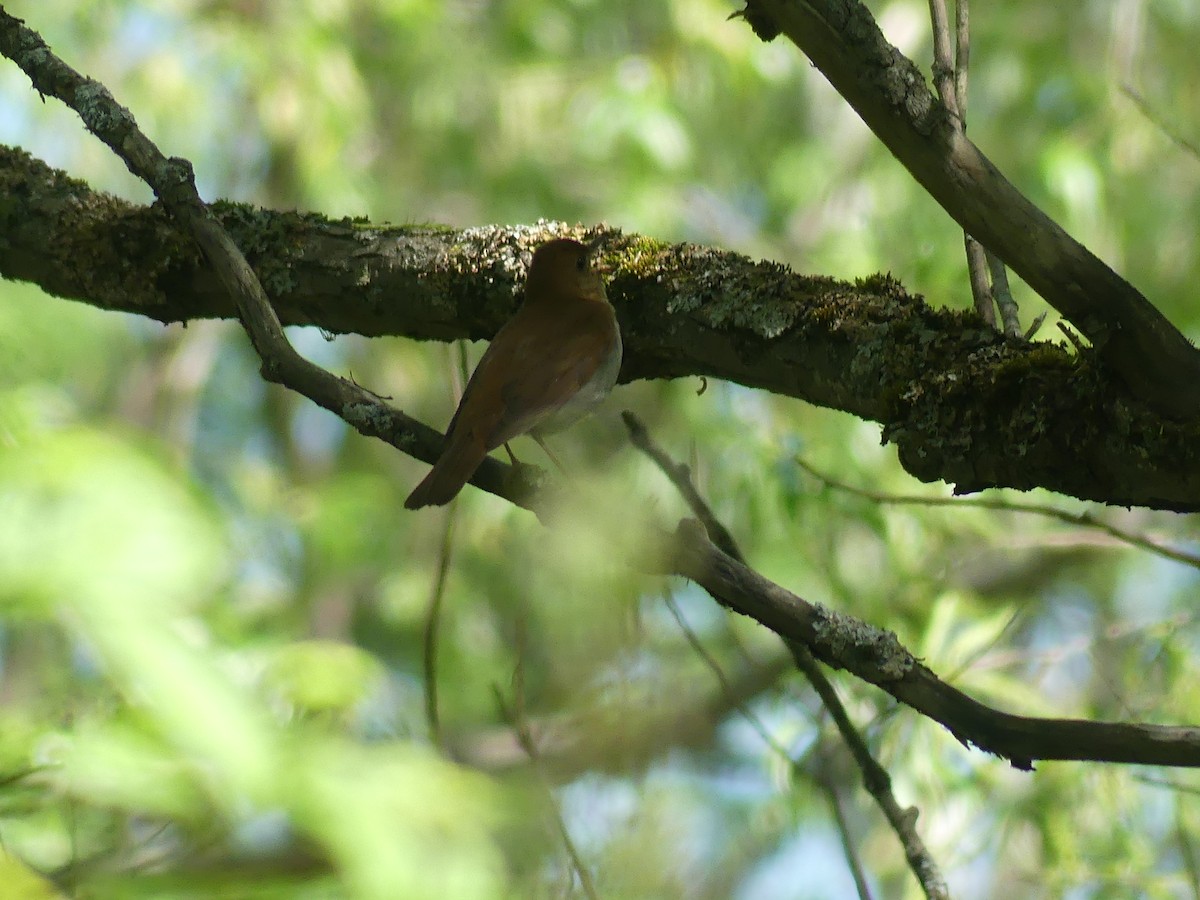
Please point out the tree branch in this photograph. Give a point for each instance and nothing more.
(1083, 519)
(877, 656)
(962, 403)
(876, 779)
(891, 96)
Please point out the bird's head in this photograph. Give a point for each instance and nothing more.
(564, 269)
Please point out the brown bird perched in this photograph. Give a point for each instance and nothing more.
(554, 360)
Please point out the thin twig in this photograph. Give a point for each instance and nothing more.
(950, 79)
(999, 293)
(432, 630)
(681, 477)
(943, 63)
(519, 720)
(1183, 840)
(977, 275)
(433, 616)
(848, 849)
(1160, 121)
(848, 846)
(962, 56)
(1076, 340)
(875, 778)
(1034, 326)
(1171, 784)
(1084, 519)
(727, 687)
(515, 716)
(1009, 316)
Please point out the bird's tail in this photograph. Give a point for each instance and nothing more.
(453, 469)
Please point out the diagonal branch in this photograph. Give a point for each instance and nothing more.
(1083, 519)
(876, 780)
(878, 657)
(890, 95)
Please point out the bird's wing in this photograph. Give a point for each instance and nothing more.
(550, 365)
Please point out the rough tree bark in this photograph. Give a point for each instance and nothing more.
(963, 403)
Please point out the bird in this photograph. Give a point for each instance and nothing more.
(551, 363)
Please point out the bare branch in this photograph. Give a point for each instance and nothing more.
(172, 181)
(875, 778)
(1003, 294)
(877, 656)
(1082, 519)
(962, 56)
(943, 63)
(681, 477)
(981, 290)
(433, 626)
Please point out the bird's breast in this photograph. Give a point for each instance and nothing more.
(590, 395)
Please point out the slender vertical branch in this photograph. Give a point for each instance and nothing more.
(1003, 294)
(433, 627)
(876, 780)
(962, 56)
(433, 615)
(950, 79)
(827, 785)
(944, 69)
(843, 826)
(515, 716)
(977, 272)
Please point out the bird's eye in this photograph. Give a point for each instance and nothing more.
(582, 263)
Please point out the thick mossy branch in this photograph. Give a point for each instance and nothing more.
(963, 403)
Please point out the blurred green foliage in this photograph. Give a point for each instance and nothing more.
(213, 608)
